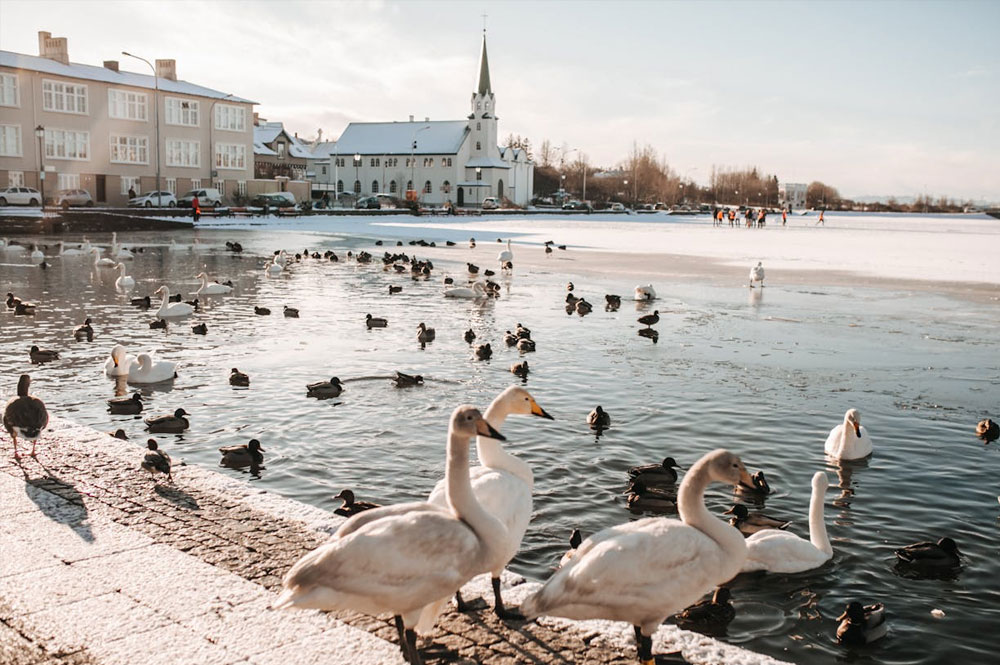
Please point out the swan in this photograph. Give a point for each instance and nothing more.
(782, 552)
(757, 274)
(171, 309)
(68, 252)
(478, 290)
(646, 570)
(117, 251)
(646, 292)
(213, 288)
(502, 484)
(124, 282)
(397, 559)
(85, 246)
(277, 264)
(849, 440)
(36, 254)
(144, 370)
(7, 247)
(506, 256)
(102, 262)
(119, 363)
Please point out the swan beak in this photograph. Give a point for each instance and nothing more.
(539, 411)
(857, 430)
(485, 429)
(115, 360)
(746, 478)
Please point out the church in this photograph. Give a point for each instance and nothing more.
(435, 162)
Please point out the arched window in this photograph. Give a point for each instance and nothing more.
(340, 186)
(357, 186)
(479, 174)
(500, 189)
(392, 186)
(478, 146)
(427, 187)
(446, 186)
(374, 186)
(409, 185)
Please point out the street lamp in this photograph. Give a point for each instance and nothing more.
(357, 179)
(40, 133)
(156, 116)
(479, 175)
(413, 159)
(212, 172)
(626, 186)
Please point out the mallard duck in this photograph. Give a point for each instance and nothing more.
(156, 461)
(473, 269)
(25, 415)
(84, 332)
(39, 356)
(291, 312)
(174, 423)
(548, 250)
(406, 380)
(158, 324)
(484, 352)
(425, 334)
(522, 332)
(395, 289)
(656, 474)
(759, 485)
(375, 322)
(943, 554)
(525, 345)
(510, 339)
(261, 311)
(236, 457)
(861, 624)
(650, 319)
(583, 307)
(351, 506)
(571, 299)
(598, 418)
(200, 329)
(750, 523)
(612, 302)
(126, 405)
(520, 369)
(710, 615)
(988, 431)
(22, 308)
(119, 434)
(325, 389)
(238, 378)
(12, 300)
(640, 498)
(570, 286)
(472, 243)
(142, 303)
(469, 336)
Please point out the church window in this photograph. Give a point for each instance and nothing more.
(340, 186)
(427, 187)
(479, 174)
(479, 105)
(374, 186)
(409, 185)
(478, 146)
(479, 126)
(392, 186)
(357, 186)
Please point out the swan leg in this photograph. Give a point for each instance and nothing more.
(13, 435)
(643, 647)
(404, 646)
(411, 643)
(498, 607)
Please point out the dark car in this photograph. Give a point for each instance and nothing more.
(576, 205)
(368, 203)
(274, 200)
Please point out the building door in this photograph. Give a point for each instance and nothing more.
(500, 189)
(461, 197)
(101, 186)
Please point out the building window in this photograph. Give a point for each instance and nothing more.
(230, 156)
(340, 162)
(67, 144)
(221, 186)
(195, 183)
(10, 140)
(15, 178)
(172, 185)
(69, 181)
(323, 168)
(427, 187)
(409, 185)
(182, 112)
(479, 174)
(183, 153)
(374, 186)
(131, 182)
(478, 126)
(64, 97)
(8, 90)
(340, 186)
(357, 186)
(241, 187)
(127, 105)
(356, 162)
(478, 146)
(281, 150)
(231, 118)
(392, 186)
(129, 149)
(446, 187)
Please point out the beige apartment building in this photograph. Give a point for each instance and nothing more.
(95, 128)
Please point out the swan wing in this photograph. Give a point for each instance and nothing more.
(781, 552)
(833, 444)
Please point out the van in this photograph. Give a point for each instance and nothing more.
(208, 197)
(491, 203)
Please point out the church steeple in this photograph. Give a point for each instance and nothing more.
(484, 71)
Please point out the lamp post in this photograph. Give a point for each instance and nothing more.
(626, 186)
(40, 133)
(357, 178)
(156, 116)
(413, 157)
(212, 173)
(479, 175)
(336, 172)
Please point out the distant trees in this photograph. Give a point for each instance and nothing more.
(519, 143)
(747, 186)
(819, 195)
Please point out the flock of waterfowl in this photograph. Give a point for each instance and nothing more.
(409, 559)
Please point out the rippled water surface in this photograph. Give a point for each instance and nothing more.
(766, 374)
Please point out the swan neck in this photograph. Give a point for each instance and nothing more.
(490, 451)
(691, 506)
(817, 525)
(462, 500)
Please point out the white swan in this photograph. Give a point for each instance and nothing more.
(124, 282)
(101, 262)
(506, 255)
(213, 288)
(85, 246)
(117, 251)
(7, 247)
(171, 309)
(119, 363)
(276, 266)
(144, 370)
(757, 274)
(397, 559)
(502, 485)
(478, 290)
(68, 252)
(849, 440)
(36, 254)
(645, 292)
(644, 571)
(783, 552)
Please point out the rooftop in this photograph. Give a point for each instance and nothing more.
(397, 138)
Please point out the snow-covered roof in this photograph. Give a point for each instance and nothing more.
(324, 149)
(94, 73)
(444, 137)
(487, 163)
(267, 132)
(261, 149)
(298, 149)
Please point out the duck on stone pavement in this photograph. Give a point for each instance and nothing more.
(156, 461)
(25, 415)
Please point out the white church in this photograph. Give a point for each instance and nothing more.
(435, 161)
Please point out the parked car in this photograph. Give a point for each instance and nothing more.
(20, 196)
(73, 197)
(576, 205)
(491, 203)
(388, 201)
(368, 203)
(617, 207)
(154, 200)
(208, 197)
(274, 200)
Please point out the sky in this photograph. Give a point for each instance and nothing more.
(874, 98)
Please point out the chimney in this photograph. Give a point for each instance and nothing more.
(411, 118)
(53, 48)
(111, 64)
(256, 119)
(166, 69)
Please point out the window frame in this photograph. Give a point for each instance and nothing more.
(231, 112)
(16, 87)
(116, 145)
(19, 147)
(188, 147)
(194, 108)
(114, 105)
(49, 142)
(232, 152)
(65, 95)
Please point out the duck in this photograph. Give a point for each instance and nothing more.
(237, 457)
(200, 329)
(12, 300)
(505, 256)
(124, 406)
(170, 309)
(156, 461)
(325, 389)
(645, 292)
(520, 369)
(640, 498)
(650, 320)
(158, 324)
(101, 262)
(758, 485)
(68, 252)
(473, 269)
(477, 290)
(757, 275)
(472, 243)
(261, 311)
(395, 289)
(211, 288)
(510, 339)
(22, 308)
(646, 570)
(598, 418)
(849, 440)
(861, 624)
(612, 302)
(522, 332)
(750, 523)
(415, 554)
(656, 474)
(583, 307)
(548, 250)
(238, 378)
(142, 303)
(777, 551)
(145, 370)
(708, 615)
(291, 312)
(943, 554)
(988, 431)
(525, 345)
(124, 282)
(84, 332)
(575, 540)
(36, 254)
(375, 322)
(352, 506)
(25, 416)
(469, 336)
(39, 356)
(571, 299)
(484, 351)
(119, 434)
(425, 334)
(407, 380)
(173, 423)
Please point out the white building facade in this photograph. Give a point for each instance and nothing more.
(792, 195)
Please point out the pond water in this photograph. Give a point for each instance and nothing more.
(763, 373)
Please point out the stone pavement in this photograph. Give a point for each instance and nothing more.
(98, 566)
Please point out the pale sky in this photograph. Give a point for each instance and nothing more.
(874, 98)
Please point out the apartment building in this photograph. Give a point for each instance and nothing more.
(96, 128)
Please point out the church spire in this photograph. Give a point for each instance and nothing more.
(484, 71)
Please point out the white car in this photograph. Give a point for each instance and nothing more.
(20, 196)
(491, 203)
(617, 207)
(154, 199)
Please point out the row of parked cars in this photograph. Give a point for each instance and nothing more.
(29, 196)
